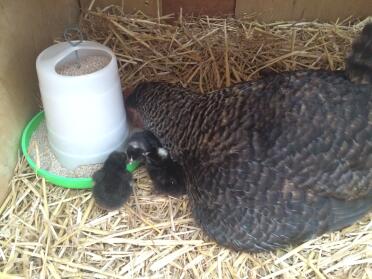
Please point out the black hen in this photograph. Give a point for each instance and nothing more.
(359, 63)
(166, 175)
(275, 161)
(113, 183)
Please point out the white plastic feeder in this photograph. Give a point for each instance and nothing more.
(85, 114)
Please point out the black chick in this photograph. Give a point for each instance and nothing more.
(141, 143)
(166, 174)
(275, 161)
(113, 183)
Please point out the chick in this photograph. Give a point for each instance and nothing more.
(113, 183)
(141, 143)
(166, 174)
(271, 162)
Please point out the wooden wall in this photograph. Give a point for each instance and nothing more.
(197, 7)
(27, 27)
(268, 10)
(149, 7)
(324, 10)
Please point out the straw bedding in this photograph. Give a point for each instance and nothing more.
(51, 232)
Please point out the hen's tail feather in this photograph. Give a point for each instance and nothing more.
(359, 62)
(347, 213)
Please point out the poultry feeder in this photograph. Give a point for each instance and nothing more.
(84, 113)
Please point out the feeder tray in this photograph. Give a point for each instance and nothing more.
(66, 182)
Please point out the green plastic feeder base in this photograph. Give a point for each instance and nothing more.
(66, 182)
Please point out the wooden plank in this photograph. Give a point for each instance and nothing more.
(27, 27)
(325, 10)
(198, 7)
(149, 7)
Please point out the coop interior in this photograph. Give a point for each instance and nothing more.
(54, 232)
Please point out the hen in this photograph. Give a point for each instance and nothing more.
(275, 161)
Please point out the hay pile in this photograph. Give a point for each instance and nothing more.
(209, 53)
(51, 232)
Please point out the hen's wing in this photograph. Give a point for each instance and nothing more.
(313, 129)
(245, 215)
